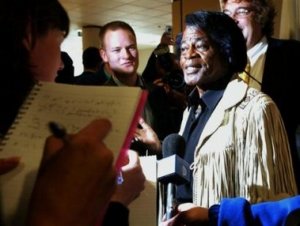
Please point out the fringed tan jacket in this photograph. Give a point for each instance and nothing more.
(243, 150)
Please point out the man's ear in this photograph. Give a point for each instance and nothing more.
(103, 55)
(27, 41)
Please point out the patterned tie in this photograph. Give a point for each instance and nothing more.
(245, 74)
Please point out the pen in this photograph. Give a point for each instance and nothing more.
(58, 130)
(120, 178)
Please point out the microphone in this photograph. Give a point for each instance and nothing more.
(172, 170)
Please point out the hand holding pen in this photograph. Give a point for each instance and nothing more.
(59, 131)
(75, 180)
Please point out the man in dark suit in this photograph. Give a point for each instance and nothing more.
(273, 62)
(94, 71)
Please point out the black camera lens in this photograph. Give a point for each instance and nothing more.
(174, 79)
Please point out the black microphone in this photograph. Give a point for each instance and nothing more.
(172, 170)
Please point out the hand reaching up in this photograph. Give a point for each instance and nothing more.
(133, 180)
(146, 135)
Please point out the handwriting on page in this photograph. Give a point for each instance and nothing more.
(75, 111)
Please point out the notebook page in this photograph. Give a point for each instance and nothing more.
(74, 107)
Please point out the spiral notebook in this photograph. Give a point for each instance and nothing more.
(74, 107)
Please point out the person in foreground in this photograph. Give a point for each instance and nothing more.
(59, 183)
(236, 143)
(76, 181)
(59, 205)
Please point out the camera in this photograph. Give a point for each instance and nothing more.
(174, 79)
(168, 62)
(168, 28)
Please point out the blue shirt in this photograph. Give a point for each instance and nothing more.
(238, 211)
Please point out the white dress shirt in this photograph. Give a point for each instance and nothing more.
(257, 56)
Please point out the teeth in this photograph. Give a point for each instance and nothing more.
(191, 69)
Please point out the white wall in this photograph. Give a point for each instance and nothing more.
(73, 46)
(144, 55)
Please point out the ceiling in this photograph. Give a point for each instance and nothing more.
(149, 18)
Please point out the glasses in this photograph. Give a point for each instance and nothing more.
(239, 12)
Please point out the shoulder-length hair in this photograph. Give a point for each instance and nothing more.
(17, 19)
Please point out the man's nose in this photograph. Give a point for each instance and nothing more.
(125, 53)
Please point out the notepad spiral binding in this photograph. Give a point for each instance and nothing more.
(24, 107)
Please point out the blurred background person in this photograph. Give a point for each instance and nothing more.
(65, 73)
(91, 74)
(164, 78)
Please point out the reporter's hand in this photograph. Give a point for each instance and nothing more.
(76, 179)
(146, 135)
(188, 214)
(134, 181)
(8, 164)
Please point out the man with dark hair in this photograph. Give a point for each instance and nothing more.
(236, 143)
(65, 74)
(91, 74)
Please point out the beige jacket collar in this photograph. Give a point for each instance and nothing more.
(234, 93)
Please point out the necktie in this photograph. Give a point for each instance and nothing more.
(245, 74)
